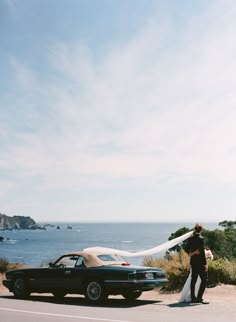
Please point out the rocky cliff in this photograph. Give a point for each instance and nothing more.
(17, 222)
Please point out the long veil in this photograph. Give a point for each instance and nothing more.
(163, 247)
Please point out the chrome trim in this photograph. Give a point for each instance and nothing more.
(67, 272)
(138, 281)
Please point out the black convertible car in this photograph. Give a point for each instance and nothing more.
(96, 275)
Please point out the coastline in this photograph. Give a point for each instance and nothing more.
(213, 294)
(43, 246)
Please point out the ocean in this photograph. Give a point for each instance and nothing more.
(39, 247)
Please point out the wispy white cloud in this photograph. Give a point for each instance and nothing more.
(111, 102)
(5, 188)
(155, 107)
(24, 76)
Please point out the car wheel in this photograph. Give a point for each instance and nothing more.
(131, 295)
(59, 294)
(95, 292)
(20, 289)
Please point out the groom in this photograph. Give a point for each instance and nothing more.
(196, 249)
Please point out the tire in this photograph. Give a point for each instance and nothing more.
(131, 295)
(59, 294)
(20, 288)
(95, 292)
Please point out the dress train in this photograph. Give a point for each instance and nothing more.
(185, 295)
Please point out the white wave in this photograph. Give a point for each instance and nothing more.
(10, 241)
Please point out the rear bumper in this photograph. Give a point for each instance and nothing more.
(142, 285)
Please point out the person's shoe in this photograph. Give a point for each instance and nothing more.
(202, 301)
(194, 300)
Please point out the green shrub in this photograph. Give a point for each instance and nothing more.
(221, 242)
(223, 271)
(216, 273)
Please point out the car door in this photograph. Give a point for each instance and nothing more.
(64, 272)
(59, 275)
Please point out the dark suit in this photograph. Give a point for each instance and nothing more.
(197, 262)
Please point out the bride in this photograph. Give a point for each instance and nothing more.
(185, 293)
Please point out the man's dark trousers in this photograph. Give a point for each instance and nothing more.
(198, 270)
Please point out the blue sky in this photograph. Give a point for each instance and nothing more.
(118, 110)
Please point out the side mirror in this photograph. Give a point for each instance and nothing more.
(50, 264)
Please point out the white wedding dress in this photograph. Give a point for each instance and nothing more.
(185, 295)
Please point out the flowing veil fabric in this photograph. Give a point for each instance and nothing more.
(147, 252)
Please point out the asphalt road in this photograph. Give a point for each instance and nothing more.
(75, 309)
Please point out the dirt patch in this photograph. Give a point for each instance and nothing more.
(3, 289)
(213, 294)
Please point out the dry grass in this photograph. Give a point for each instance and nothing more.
(5, 265)
(176, 267)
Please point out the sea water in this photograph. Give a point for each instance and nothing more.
(39, 247)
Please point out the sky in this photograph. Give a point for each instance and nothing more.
(118, 110)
